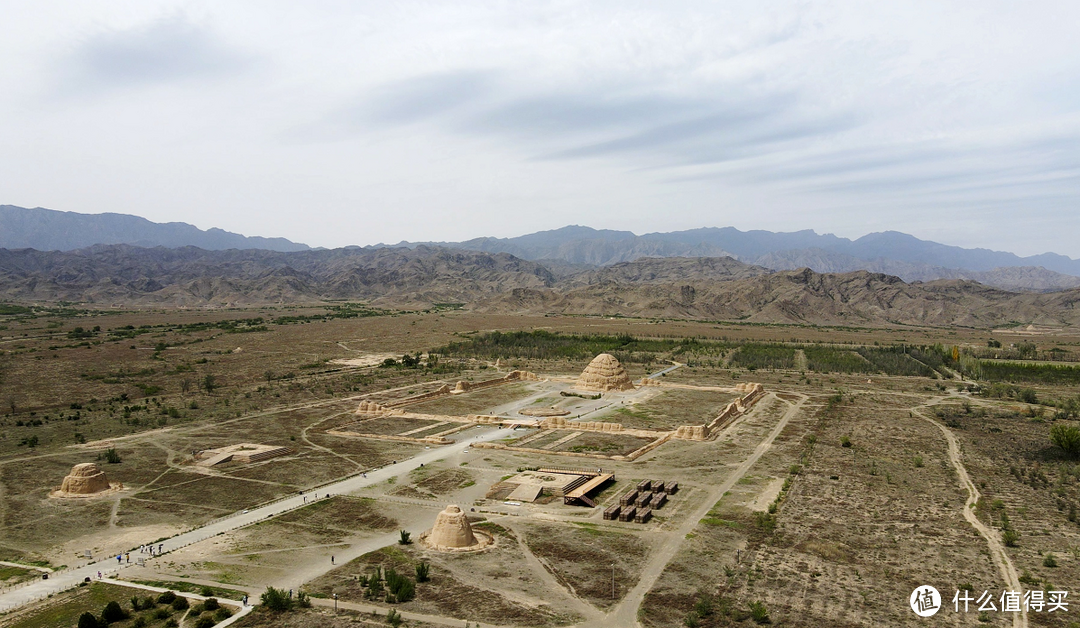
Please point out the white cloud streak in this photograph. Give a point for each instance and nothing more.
(352, 123)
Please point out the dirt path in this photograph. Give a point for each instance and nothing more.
(800, 360)
(997, 549)
(304, 437)
(568, 598)
(626, 613)
(113, 512)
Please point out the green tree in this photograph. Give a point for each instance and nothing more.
(88, 620)
(404, 537)
(1067, 437)
(112, 613)
(209, 383)
(276, 600)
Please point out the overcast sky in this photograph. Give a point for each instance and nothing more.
(335, 123)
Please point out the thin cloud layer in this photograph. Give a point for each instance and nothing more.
(163, 51)
(371, 122)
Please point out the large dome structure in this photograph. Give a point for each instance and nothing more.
(604, 374)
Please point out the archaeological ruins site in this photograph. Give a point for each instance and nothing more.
(533, 479)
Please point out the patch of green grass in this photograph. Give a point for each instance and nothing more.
(717, 521)
(65, 614)
(223, 573)
(7, 573)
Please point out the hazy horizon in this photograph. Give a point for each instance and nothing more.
(515, 235)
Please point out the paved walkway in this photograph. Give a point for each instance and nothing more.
(68, 578)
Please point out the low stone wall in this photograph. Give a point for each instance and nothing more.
(634, 455)
(543, 412)
(435, 394)
(427, 440)
(576, 454)
(560, 423)
(753, 393)
(512, 376)
(371, 408)
(460, 387)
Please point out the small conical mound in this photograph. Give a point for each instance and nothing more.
(85, 479)
(604, 373)
(452, 529)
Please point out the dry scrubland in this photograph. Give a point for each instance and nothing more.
(854, 503)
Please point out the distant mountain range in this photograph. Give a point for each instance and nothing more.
(571, 251)
(702, 288)
(50, 230)
(890, 252)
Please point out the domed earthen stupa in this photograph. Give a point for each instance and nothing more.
(604, 373)
(85, 480)
(452, 532)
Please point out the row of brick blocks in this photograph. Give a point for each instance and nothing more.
(628, 513)
(638, 504)
(635, 498)
(657, 486)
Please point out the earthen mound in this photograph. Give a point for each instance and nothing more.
(85, 480)
(452, 532)
(604, 374)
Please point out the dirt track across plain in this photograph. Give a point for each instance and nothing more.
(997, 548)
(626, 613)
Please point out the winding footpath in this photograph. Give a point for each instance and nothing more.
(997, 548)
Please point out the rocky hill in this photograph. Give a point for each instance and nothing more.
(705, 288)
(666, 270)
(859, 298)
(124, 274)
